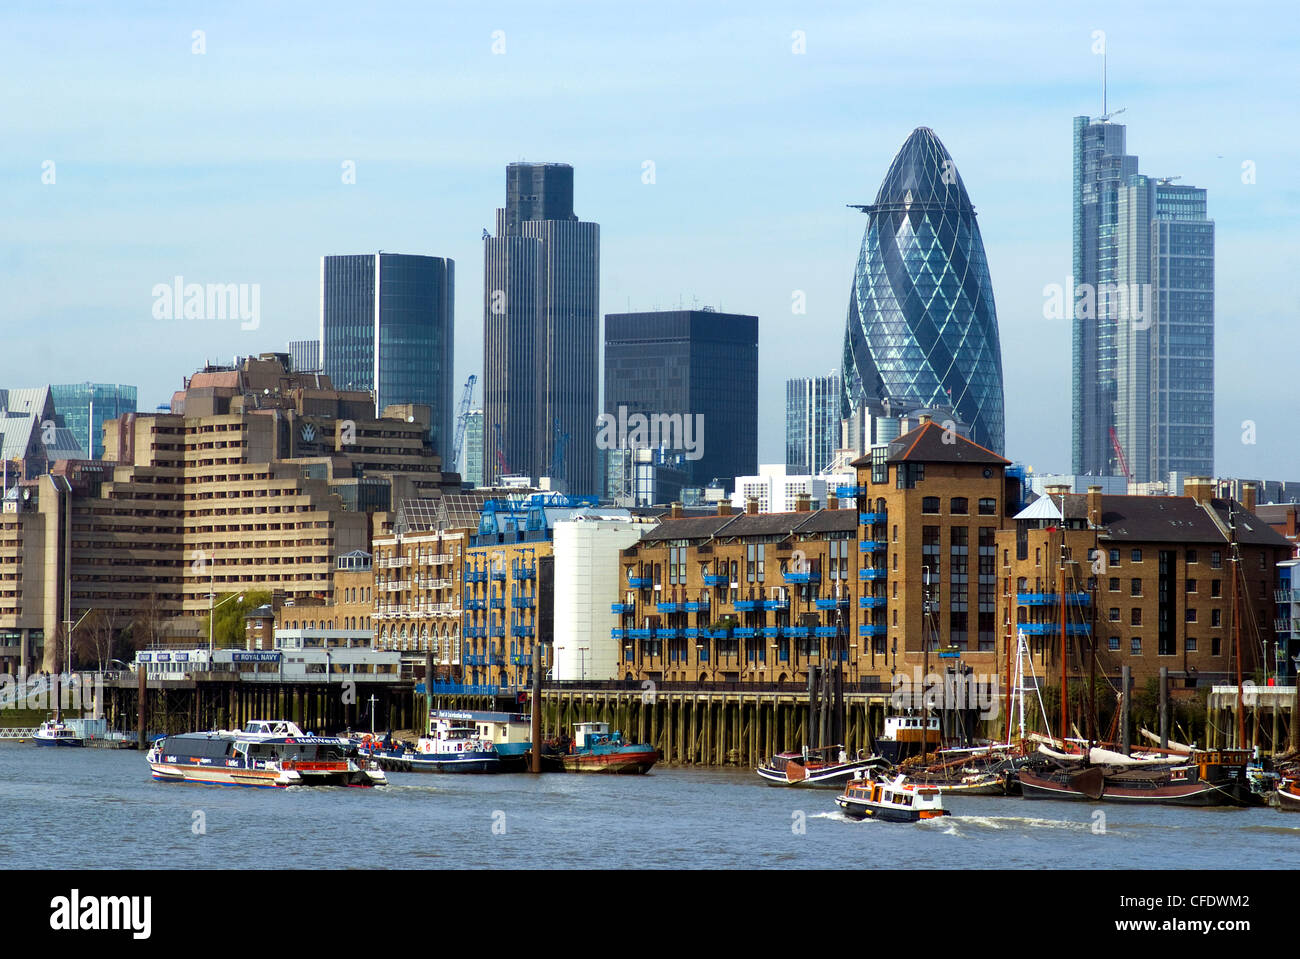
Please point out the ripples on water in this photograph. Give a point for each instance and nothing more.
(99, 809)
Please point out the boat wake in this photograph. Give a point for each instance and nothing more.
(838, 816)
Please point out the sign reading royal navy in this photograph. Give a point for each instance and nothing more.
(255, 657)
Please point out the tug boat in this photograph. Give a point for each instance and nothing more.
(596, 750)
(452, 746)
(908, 735)
(52, 732)
(266, 754)
(826, 767)
(892, 801)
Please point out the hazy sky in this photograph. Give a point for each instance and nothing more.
(227, 167)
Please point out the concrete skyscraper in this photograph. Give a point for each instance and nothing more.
(1143, 315)
(386, 326)
(812, 422)
(541, 331)
(922, 328)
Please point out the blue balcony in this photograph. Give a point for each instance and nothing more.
(640, 633)
(476, 576)
(476, 604)
(850, 492)
(1052, 599)
(521, 630)
(1053, 629)
(671, 607)
(669, 632)
(462, 689)
(694, 606)
(776, 604)
(797, 632)
(827, 631)
(640, 582)
(833, 602)
(475, 632)
(496, 659)
(872, 546)
(873, 629)
(499, 575)
(712, 579)
(617, 633)
(621, 608)
(770, 632)
(498, 602)
(696, 633)
(521, 659)
(499, 630)
(871, 519)
(475, 659)
(744, 632)
(871, 602)
(803, 576)
(525, 572)
(872, 575)
(521, 602)
(748, 605)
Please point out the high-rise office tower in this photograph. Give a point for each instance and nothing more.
(922, 328)
(474, 449)
(386, 326)
(305, 355)
(684, 382)
(84, 408)
(541, 331)
(812, 422)
(1143, 315)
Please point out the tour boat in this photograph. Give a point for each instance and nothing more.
(827, 767)
(452, 746)
(266, 754)
(892, 801)
(596, 750)
(52, 732)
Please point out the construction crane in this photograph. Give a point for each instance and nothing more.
(1119, 455)
(501, 455)
(557, 461)
(462, 420)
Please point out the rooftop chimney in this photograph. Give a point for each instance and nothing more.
(832, 501)
(1057, 490)
(802, 502)
(675, 510)
(1094, 506)
(751, 505)
(1199, 488)
(1248, 496)
(724, 507)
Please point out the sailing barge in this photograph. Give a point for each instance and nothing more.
(1202, 778)
(826, 767)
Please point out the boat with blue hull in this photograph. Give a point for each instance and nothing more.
(52, 732)
(596, 750)
(452, 746)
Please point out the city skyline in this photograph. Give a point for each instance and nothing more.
(693, 233)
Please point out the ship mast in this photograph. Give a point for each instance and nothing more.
(1235, 562)
(1065, 698)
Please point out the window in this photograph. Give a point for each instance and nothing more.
(1216, 559)
(1114, 584)
(1191, 644)
(1113, 643)
(1191, 556)
(895, 532)
(1114, 614)
(988, 506)
(879, 465)
(907, 475)
(960, 506)
(1136, 556)
(1216, 618)
(1191, 585)
(1216, 587)
(1114, 557)
(1135, 587)
(1191, 615)
(1135, 616)
(930, 504)
(1135, 645)
(1216, 646)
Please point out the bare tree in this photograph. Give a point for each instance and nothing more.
(94, 640)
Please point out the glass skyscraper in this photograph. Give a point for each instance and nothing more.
(1143, 317)
(812, 422)
(474, 449)
(541, 330)
(922, 328)
(386, 326)
(84, 408)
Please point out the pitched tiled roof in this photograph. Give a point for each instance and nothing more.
(931, 443)
(1172, 519)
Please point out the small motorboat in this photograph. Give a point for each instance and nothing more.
(596, 750)
(52, 732)
(1288, 795)
(828, 767)
(893, 801)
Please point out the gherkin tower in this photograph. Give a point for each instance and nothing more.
(922, 329)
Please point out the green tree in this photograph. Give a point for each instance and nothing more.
(228, 618)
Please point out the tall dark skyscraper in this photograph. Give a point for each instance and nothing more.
(1143, 315)
(541, 331)
(386, 325)
(922, 328)
(684, 363)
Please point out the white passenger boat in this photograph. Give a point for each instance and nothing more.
(52, 732)
(452, 746)
(892, 801)
(265, 753)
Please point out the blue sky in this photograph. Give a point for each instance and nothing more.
(226, 166)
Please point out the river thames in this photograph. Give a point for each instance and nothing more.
(99, 809)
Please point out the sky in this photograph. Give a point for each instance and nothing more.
(145, 141)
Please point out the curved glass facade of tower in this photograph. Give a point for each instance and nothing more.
(922, 329)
